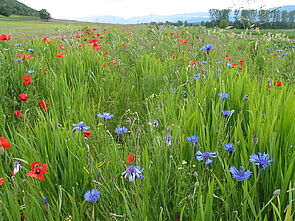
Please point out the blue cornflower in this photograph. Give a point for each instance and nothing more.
(45, 202)
(207, 48)
(19, 44)
(267, 49)
(240, 175)
(1, 63)
(121, 130)
(80, 127)
(223, 95)
(229, 147)
(183, 92)
(205, 156)
(168, 139)
(262, 159)
(174, 89)
(30, 49)
(227, 112)
(229, 65)
(197, 76)
(105, 116)
(18, 59)
(204, 62)
(156, 123)
(31, 72)
(133, 172)
(193, 139)
(92, 195)
(284, 54)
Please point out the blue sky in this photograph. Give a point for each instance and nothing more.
(70, 9)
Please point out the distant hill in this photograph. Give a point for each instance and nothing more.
(189, 17)
(16, 8)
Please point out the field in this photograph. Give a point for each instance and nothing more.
(156, 121)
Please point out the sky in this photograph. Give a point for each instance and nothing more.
(73, 9)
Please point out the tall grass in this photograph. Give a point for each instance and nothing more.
(147, 84)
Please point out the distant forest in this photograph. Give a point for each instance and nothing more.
(263, 19)
(13, 7)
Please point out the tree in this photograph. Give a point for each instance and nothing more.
(284, 16)
(4, 10)
(223, 23)
(237, 14)
(44, 15)
(224, 14)
(291, 16)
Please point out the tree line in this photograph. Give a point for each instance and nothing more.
(252, 18)
(241, 19)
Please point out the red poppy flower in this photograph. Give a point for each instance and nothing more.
(78, 36)
(105, 52)
(193, 63)
(131, 158)
(2, 181)
(37, 170)
(270, 57)
(23, 97)
(268, 86)
(124, 46)
(61, 46)
(93, 29)
(277, 83)
(184, 42)
(241, 68)
(45, 39)
(25, 57)
(104, 64)
(4, 37)
(95, 46)
(172, 33)
(4, 143)
(101, 37)
(242, 62)
(27, 80)
(60, 55)
(43, 105)
(18, 113)
(113, 62)
(235, 64)
(87, 134)
(97, 34)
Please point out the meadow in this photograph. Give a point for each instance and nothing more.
(156, 122)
